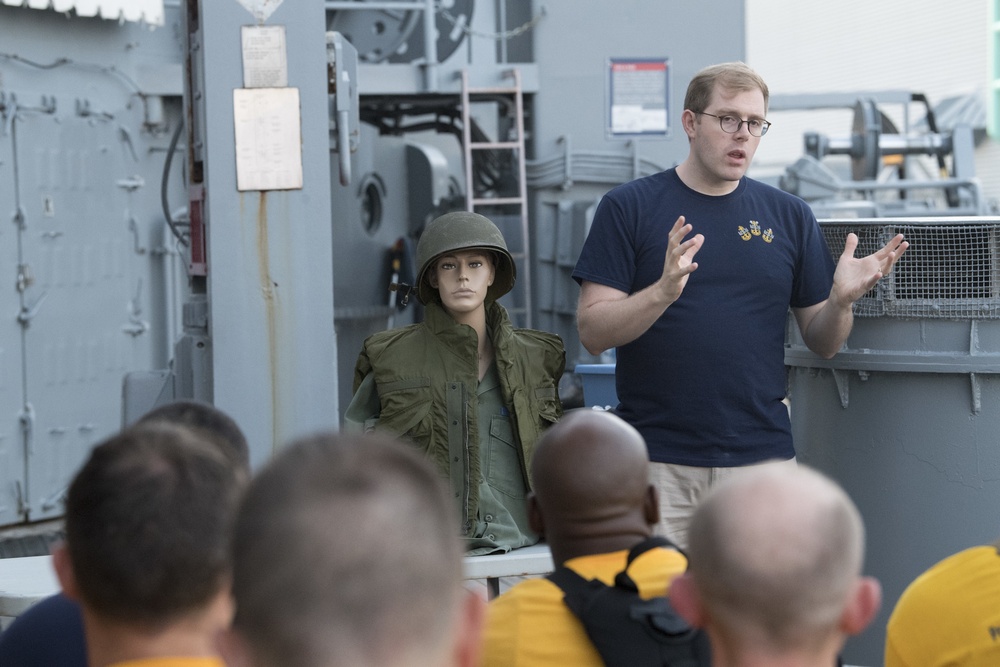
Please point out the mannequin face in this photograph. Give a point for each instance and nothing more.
(462, 279)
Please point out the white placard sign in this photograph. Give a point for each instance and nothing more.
(268, 139)
(265, 58)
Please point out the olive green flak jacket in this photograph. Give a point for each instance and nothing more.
(426, 377)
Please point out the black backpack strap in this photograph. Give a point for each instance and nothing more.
(576, 590)
(650, 542)
(567, 579)
(626, 630)
(623, 579)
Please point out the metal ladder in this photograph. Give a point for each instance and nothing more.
(516, 144)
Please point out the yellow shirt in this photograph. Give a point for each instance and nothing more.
(949, 615)
(178, 661)
(529, 625)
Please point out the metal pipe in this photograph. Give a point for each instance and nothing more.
(170, 291)
(430, 48)
(344, 145)
(893, 144)
(502, 6)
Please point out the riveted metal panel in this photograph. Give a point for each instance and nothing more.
(11, 447)
(84, 304)
(87, 279)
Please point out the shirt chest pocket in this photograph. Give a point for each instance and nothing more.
(406, 408)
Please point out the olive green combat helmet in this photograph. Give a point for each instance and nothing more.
(461, 230)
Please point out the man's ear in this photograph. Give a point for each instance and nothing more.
(471, 630)
(862, 605)
(687, 122)
(64, 571)
(535, 519)
(651, 506)
(684, 597)
(233, 648)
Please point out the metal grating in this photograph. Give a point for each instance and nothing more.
(949, 271)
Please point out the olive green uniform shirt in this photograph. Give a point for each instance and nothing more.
(502, 519)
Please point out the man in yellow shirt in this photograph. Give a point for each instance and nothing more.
(950, 614)
(592, 502)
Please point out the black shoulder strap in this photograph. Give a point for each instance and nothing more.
(625, 629)
(652, 542)
(575, 587)
(576, 590)
(623, 579)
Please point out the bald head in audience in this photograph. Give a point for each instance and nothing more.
(775, 569)
(591, 491)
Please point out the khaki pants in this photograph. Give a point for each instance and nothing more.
(681, 487)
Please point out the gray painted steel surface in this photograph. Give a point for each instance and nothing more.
(270, 254)
(907, 416)
(572, 162)
(84, 123)
(295, 279)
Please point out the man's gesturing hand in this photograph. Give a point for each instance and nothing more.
(856, 275)
(679, 261)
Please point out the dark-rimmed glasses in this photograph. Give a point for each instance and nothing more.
(732, 124)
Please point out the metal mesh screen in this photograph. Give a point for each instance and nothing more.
(949, 271)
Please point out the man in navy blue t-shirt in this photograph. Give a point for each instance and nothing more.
(700, 345)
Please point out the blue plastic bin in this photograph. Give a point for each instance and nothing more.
(598, 385)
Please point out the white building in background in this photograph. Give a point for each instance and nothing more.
(943, 50)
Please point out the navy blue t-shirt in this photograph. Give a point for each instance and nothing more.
(48, 634)
(704, 385)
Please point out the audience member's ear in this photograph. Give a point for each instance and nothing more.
(471, 626)
(233, 649)
(684, 598)
(651, 506)
(221, 608)
(535, 519)
(64, 571)
(862, 605)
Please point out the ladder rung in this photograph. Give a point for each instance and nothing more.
(517, 148)
(481, 145)
(487, 201)
(494, 90)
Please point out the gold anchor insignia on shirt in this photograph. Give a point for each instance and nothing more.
(755, 230)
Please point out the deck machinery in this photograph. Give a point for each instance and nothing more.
(213, 204)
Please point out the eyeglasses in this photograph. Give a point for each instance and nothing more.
(731, 124)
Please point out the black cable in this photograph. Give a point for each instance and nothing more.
(951, 194)
(165, 180)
